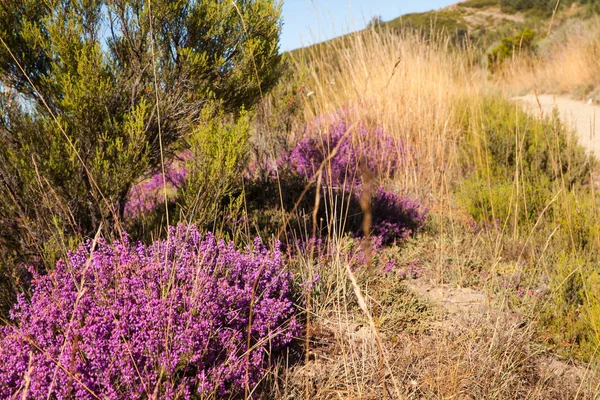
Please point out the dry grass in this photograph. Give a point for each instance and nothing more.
(408, 85)
(491, 356)
(568, 63)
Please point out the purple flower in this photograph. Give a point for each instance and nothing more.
(345, 152)
(395, 217)
(128, 321)
(341, 148)
(149, 194)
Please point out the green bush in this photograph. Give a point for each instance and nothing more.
(572, 316)
(517, 163)
(108, 88)
(522, 43)
(218, 149)
(529, 178)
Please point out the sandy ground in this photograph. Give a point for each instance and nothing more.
(583, 117)
(463, 307)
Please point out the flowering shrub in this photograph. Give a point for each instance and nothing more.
(345, 151)
(395, 217)
(380, 153)
(148, 195)
(173, 319)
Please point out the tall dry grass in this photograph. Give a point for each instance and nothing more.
(418, 90)
(568, 62)
(404, 83)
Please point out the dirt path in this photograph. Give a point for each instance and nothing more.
(584, 117)
(478, 17)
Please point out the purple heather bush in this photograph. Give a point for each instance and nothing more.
(395, 216)
(379, 153)
(169, 320)
(149, 194)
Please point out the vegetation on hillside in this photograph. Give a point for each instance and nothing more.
(190, 214)
(521, 44)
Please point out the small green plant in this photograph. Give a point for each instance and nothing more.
(218, 146)
(522, 43)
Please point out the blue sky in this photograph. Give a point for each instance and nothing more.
(310, 21)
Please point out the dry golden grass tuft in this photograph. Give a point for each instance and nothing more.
(408, 85)
(371, 336)
(568, 63)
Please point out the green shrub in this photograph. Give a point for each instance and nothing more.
(529, 178)
(572, 314)
(517, 163)
(218, 149)
(522, 43)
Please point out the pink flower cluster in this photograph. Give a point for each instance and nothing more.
(184, 317)
(346, 152)
(149, 194)
(395, 217)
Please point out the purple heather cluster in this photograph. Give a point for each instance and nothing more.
(395, 216)
(350, 148)
(149, 194)
(185, 317)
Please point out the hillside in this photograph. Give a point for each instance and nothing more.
(481, 24)
(486, 21)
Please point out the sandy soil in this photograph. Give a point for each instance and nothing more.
(496, 14)
(583, 117)
(461, 307)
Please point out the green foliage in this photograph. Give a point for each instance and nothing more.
(512, 6)
(218, 148)
(544, 6)
(108, 86)
(522, 43)
(527, 177)
(479, 3)
(519, 163)
(573, 314)
(277, 114)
